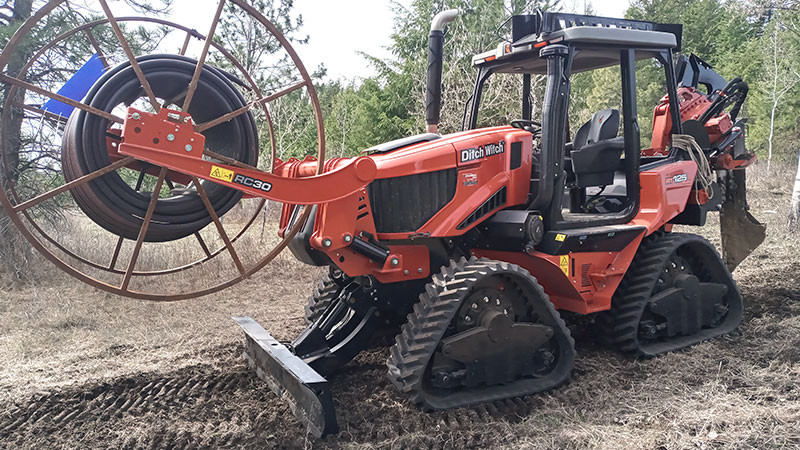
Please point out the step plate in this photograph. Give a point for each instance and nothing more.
(290, 378)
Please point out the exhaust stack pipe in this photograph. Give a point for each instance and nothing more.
(433, 90)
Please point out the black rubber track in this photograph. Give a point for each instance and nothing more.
(427, 324)
(326, 291)
(619, 326)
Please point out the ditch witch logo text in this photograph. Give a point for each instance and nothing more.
(471, 154)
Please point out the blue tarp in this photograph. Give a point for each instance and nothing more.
(77, 87)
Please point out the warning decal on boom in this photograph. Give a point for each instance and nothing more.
(221, 174)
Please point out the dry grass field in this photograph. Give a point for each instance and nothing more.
(83, 369)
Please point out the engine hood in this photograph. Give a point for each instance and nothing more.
(448, 151)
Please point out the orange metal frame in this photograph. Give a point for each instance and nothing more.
(585, 282)
(580, 282)
(692, 105)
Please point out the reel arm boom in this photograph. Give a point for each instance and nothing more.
(168, 139)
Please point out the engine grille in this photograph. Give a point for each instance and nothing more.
(404, 204)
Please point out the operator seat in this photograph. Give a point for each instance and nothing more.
(596, 150)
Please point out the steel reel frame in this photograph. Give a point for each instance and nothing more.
(17, 210)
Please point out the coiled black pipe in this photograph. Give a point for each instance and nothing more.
(109, 201)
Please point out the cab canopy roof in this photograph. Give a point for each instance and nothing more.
(597, 41)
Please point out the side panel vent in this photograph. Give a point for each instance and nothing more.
(495, 201)
(404, 204)
(585, 281)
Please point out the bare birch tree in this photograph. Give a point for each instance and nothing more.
(794, 209)
(783, 75)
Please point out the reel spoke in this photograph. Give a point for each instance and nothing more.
(47, 114)
(72, 184)
(225, 159)
(143, 231)
(174, 100)
(113, 264)
(261, 101)
(96, 46)
(112, 21)
(220, 229)
(186, 43)
(202, 244)
(74, 103)
(202, 60)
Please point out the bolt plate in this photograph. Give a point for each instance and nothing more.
(167, 131)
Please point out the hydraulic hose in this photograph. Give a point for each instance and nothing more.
(735, 87)
(109, 200)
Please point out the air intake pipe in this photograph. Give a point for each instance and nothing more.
(433, 90)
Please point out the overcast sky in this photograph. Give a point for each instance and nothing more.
(340, 29)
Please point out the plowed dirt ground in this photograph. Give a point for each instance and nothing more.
(83, 369)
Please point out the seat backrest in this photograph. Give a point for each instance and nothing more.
(603, 125)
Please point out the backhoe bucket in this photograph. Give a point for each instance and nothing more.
(741, 232)
(290, 378)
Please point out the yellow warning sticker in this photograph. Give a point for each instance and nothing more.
(564, 263)
(220, 173)
(561, 237)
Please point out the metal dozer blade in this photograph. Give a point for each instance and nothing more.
(296, 372)
(741, 232)
(306, 391)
